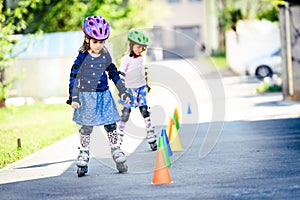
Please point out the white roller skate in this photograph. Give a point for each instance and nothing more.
(120, 158)
(82, 161)
(151, 138)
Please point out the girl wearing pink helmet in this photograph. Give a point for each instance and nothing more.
(89, 92)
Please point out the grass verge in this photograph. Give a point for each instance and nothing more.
(37, 126)
(218, 60)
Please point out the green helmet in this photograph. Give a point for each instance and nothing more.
(138, 37)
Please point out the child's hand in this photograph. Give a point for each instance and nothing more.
(148, 88)
(127, 100)
(75, 104)
(126, 97)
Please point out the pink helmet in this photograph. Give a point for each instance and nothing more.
(96, 27)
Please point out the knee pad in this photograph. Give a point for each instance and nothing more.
(125, 114)
(86, 130)
(144, 111)
(110, 127)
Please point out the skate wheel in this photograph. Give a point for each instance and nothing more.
(81, 171)
(122, 167)
(153, 146)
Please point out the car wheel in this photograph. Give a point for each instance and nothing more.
(263, 71)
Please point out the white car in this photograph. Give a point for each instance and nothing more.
(265, 66)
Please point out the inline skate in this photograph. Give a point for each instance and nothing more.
(151, 138)
(119, 158)
(82, 162)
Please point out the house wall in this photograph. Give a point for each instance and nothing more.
(253, 39)
(183, 32)
(42, 77)
(43, 64)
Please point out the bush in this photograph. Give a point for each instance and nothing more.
(269, 84)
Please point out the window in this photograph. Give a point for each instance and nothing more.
(173, 1)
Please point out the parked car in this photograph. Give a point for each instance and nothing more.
(265, 66)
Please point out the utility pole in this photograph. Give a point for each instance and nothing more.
(290, 49)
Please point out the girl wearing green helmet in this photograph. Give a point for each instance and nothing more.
(133, 67)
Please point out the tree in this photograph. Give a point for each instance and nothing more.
(56, 16)
(67, 15)
(11, 21)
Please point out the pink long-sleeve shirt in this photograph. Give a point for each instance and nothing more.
(134, 68)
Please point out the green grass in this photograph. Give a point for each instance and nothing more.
(37, 125)
(218, 60)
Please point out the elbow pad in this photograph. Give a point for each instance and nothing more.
(112, 71)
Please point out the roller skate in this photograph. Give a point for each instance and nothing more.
(120, 158)
(82, 162)
(151, 138)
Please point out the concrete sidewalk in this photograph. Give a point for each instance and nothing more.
(255, 157)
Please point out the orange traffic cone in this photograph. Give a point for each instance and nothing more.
(161, 171)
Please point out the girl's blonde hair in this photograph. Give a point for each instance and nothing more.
(86, 45)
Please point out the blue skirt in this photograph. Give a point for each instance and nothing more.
(97, 109)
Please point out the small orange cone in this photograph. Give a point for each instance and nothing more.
(175, 141)
(169, 127)
(161, 171)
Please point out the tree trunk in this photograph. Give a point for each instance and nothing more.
(2, 103)
(2, 78)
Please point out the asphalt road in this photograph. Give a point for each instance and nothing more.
(253, 153)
